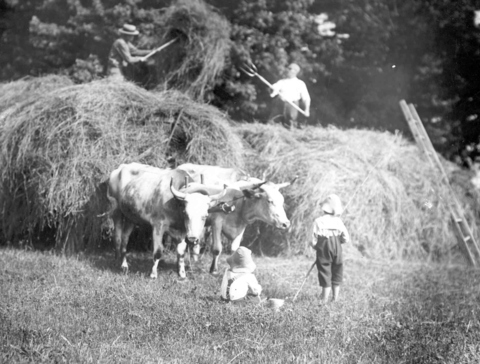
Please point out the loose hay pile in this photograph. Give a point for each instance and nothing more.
(29, 88)
(392, 196)
(56, 151)
(193, 63)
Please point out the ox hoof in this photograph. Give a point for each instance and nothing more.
(214, 272)
(153, 276)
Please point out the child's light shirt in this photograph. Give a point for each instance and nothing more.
(235, 286)
(328, 226)
(291, 89)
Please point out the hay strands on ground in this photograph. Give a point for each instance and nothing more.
(251, 70)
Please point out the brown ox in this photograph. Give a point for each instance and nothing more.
(143, 194)
(253, 200)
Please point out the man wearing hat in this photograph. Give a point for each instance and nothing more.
(239, 280)
(294, 90)
(123, 53)
(329, 233)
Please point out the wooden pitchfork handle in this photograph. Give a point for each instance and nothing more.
(308, 273)
(251, 70)
(159, 48)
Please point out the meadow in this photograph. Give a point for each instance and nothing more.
(82, 309)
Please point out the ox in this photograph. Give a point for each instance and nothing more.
(142, 194)
(253, 200)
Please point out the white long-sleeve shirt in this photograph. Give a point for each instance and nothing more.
(291, 89)
(235, 286)
(327, 226)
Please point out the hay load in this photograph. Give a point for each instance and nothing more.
(193, 63)
(392, 196)
(56, 151)
(29, 88)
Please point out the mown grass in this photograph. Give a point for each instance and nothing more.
(83, 310)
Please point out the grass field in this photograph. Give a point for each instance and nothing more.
(83, 310)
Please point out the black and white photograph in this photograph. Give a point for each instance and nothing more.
(240, 182)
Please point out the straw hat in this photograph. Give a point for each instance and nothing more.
(129, 29)
(332, 205)
(241, 261)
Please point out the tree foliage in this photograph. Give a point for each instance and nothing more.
(424, 51)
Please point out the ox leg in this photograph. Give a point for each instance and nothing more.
(196, 252)
(181, 248)
(216, 247)
(157, 237)
(117, 231)
(122, 230)
(127, 231)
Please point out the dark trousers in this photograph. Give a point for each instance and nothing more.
(285, 112)
(329, 261)
(290, 115)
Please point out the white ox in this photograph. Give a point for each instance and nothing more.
(142, 194)
(253, 200)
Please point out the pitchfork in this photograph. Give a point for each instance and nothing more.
(159, 48)
(251, 70)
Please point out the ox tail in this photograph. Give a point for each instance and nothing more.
(111, 199)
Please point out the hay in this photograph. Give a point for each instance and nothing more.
(193, 63)
(381, 177)
(29, 88)
(56, 151)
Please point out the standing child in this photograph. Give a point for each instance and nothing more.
(329, 233)
(239, 279)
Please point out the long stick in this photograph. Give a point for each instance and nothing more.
(288, 101)
(308, 273)
(271, 86)
(315, 262)
(159, 48)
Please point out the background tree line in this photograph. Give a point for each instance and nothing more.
(424, 51)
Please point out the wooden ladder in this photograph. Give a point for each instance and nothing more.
(466, 240)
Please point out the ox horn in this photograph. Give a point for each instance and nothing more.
(285, 184)
(258, 185)
(176, 193)
(218, 196)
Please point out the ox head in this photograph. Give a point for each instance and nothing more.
(269, 202)
(196, 206)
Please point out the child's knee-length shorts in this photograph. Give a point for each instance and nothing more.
(329, 261)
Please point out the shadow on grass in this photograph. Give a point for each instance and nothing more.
(138, 263)
(431, 317)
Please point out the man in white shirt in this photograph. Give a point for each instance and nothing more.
(294, 90)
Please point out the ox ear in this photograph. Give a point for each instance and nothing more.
(176, 193)
(251, 193)
(285, 184)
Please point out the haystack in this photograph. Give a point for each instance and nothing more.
(393, 198)
(29, 88)
(193, 63)
(57, 150)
